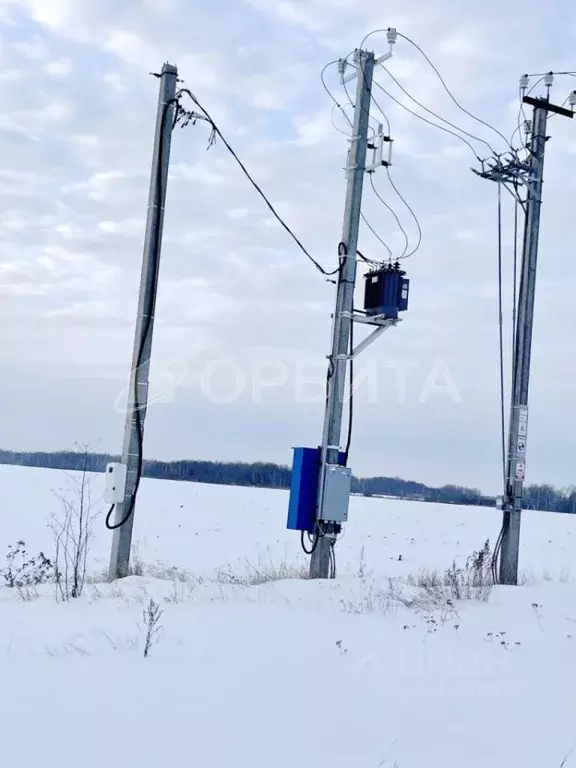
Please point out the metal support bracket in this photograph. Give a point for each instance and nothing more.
(381, 324)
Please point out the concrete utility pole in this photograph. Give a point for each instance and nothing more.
(516, 463)
(342, 319)
(132, 452)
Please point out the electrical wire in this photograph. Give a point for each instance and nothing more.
(506, 515)
(434, 114)
(329, 92)
(337, 105)
(543, 74)
(372, 97)
(429, 122)
(501, 338)
(351, 395)
(332, 560)
(313, 538)
(369, 261)
(393, 212)
(515, 276)
(419, 228)
(376, 235)
(449, 92)
(344, 133)
(148, 315)
(217, 132)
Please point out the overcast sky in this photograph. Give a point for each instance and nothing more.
(243, 320)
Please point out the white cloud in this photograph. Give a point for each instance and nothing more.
(76, 143)
(59, 67)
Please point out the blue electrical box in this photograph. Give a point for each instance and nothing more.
(386, 292)
(304, 488)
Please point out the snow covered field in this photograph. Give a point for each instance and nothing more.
(286, 673)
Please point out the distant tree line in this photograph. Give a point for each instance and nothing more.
(268, 475)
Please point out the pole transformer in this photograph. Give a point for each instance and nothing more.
(132, 452)
(343, 316)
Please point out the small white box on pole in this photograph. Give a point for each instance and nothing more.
(114, 483)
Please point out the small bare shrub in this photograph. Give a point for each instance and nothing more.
(28, 593)
(136, 567)
(73, 532)
(23, 571)
(263, 572)
(362, 572)
(374, 599)
(151, 615)
(472, 581)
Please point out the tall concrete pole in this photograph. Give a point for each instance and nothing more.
(132, 452)
(516, 464)
(342, 320)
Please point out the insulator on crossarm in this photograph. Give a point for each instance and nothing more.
(527, 127)
(391, 35)
(572, 100)
(549, 79)
(524, 82)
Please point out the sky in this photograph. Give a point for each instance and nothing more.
(243, 319)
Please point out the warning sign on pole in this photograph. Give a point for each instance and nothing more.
(520, 469)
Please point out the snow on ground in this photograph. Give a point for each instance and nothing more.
(288, 673)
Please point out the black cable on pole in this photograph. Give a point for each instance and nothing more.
(332, 573)
(351, 395)
(314, 538)
(497, 548)
(146, 330)
(501, 338)
(515, 274)
(411, 211)
(217, 132)
(393, 212)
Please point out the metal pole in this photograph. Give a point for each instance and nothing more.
(521, 371)
(342, 319)
(138, 391)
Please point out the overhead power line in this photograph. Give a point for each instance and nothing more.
(393, 212)
(449, 92)
(434, 114)
(337, 105)
(217, 132)
(440, 77)
(429, 122)
(330, 94)
(410, 210)
(375, 233)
